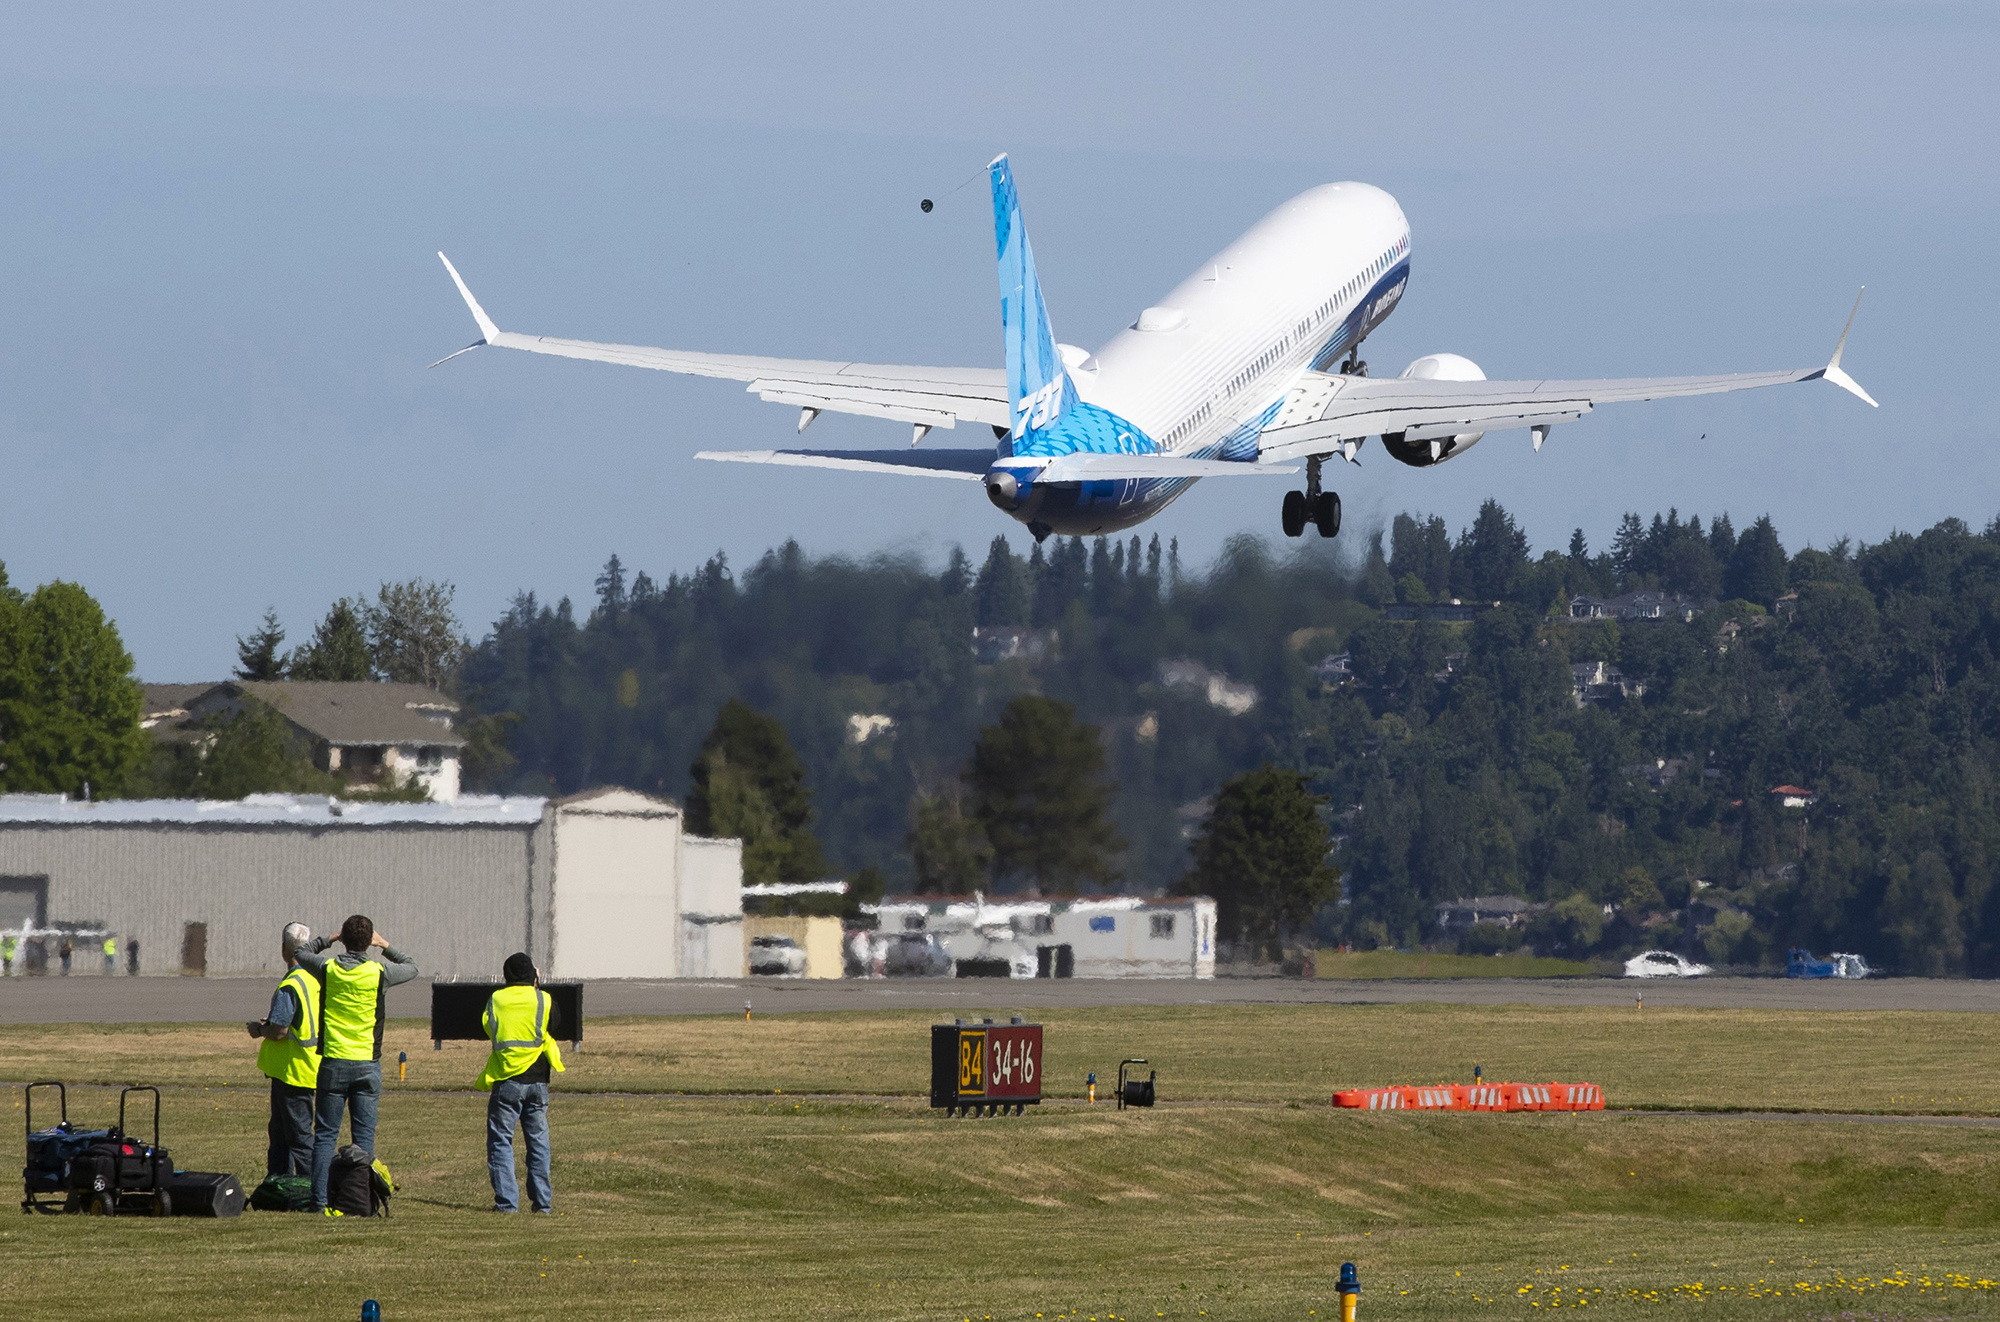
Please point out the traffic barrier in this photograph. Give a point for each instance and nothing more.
(1476, 1097)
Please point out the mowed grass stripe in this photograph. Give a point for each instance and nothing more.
(783, 1208)
(1890, 1062)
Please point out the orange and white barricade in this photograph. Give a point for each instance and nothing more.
(1484, 1097)
(1475, 1097)
(1580, 1096)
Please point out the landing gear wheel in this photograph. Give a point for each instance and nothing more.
(1294, 515)
(1326, 513)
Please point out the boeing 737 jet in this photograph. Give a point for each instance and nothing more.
(1250, 366)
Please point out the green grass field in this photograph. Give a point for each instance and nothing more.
(1237, 1200)
(1888, 1061)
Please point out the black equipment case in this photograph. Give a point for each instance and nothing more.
(205, 1193)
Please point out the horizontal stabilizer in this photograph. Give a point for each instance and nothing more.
(1112, 467)
(970, 465)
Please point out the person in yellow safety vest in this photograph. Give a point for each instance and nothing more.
(517, 1074)
(8, 945)
(351, 1013)
(110, 955)
(288, 1052)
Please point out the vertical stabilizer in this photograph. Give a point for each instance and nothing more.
(1037, 383)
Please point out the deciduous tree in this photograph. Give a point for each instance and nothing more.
(69, 705)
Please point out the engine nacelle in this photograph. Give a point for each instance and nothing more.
(1423, 451)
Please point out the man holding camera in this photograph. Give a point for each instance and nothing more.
(288, 1054)
(352, 1011)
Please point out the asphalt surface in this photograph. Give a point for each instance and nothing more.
(93, 998)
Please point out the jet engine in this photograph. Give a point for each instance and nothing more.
(1422, 451)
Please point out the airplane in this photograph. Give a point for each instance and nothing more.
(1248, 367)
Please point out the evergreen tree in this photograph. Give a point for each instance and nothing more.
(1757, 569)
(1721, 539)
(1001, 591)
(1489, 554)
(611, 586)
(338, 649)
(257, 657)
(749, 784)
(1262, 856)
(1628, 551)
(1036, 779)
(1376, 588)
(1420, 550)
(957, 577)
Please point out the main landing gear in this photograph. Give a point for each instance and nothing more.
(1319, 508)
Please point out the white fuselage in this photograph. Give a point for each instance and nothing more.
(1201, 372)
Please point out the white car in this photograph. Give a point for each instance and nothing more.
(777, 956)
(1663, 964)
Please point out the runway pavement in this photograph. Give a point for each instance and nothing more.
(122, 1000)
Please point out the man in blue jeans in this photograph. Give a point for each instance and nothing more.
(517, 1071)
(352, 1010)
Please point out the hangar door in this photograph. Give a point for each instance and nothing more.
(23, 901)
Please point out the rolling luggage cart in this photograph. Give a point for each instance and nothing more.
(120, 1176)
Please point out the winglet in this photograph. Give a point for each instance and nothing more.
(1833, 370)
(489, 332)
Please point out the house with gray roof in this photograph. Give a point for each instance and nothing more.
(366, 732)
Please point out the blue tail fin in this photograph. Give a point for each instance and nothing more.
(1037, 383)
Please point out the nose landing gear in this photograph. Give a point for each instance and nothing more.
(1319, 508)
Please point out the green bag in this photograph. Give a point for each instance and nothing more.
(284, 1193)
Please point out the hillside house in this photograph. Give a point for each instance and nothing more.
(367, 733)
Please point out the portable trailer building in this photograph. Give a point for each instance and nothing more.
(603, 884)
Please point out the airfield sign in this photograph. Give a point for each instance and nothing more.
(986, 1068)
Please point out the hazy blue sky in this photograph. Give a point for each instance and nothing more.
(218, 294)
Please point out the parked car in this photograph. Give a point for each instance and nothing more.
(1663, 964)
(777, 956)
(916, 955)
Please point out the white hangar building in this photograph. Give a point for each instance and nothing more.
(604, 884)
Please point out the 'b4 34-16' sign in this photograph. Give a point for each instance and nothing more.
(986, 1068)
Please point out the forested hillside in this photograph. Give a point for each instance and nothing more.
(1456, 755)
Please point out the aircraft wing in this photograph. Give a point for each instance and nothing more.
(924, 396)
(969, 465)
(973, 464)
(1326, 413)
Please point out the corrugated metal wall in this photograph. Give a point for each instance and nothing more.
(458, 898)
